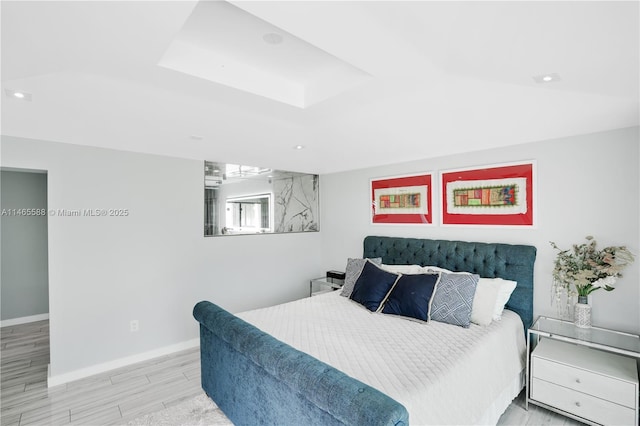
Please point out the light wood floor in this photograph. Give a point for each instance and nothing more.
(116, 397)
(105, 399)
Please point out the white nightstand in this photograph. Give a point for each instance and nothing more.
(322, 285)
(590, 375)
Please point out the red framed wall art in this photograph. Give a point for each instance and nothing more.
(501, 195)
(402, 200)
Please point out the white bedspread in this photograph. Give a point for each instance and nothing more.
(442, 374)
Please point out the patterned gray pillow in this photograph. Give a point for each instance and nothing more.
(453, 298)
(352, 272)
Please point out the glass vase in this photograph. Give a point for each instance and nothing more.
(582, 313)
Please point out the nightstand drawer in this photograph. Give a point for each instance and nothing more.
(587, 382)
(580, 404)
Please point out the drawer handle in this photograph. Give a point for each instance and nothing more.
(577, 403)
(577, 380)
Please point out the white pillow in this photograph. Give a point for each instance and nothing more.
(403, 269)
(435, 269)
(484, 302)
(504, 289)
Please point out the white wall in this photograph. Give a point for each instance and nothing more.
(152, 265)
(24, 279)
(586, 185)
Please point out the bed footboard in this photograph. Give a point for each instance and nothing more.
(256, 379)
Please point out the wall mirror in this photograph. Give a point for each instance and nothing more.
(241, 200)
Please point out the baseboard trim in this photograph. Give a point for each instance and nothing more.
(23, 320)
(81, 373)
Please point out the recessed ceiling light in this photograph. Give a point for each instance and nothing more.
(16, 94)
(547, 78)
(298, 147)
(272, 38)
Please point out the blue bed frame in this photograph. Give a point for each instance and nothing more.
(257, 379)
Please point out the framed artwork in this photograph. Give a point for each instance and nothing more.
(500, 195)
(402, 200)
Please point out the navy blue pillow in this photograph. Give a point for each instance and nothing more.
(411, 296)
(372, 286)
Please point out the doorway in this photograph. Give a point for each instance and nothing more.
(24, 292)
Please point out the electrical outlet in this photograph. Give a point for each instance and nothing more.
(134, 326)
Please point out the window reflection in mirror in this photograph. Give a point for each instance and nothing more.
(253, 200)
(248, 214)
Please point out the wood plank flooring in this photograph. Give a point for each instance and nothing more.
(111, 398)
(116, 397)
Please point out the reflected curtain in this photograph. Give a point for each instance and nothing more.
(210, 211)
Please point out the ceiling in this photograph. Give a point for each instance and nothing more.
(227, 45)
(368, 83)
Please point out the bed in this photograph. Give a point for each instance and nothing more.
(327, 360)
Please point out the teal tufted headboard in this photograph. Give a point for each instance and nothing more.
(489, 260)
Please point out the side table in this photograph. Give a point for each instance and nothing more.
(322, 285)
(588, 374)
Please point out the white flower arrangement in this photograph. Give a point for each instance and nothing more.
(584, 269)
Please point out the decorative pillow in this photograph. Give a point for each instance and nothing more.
(372, 286)
(484, 303)
(411, 296)
(352, 272)
(504, 289)
(435, 269)
(403, 269)
(453, 301)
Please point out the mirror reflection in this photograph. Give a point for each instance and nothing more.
(242, 200)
